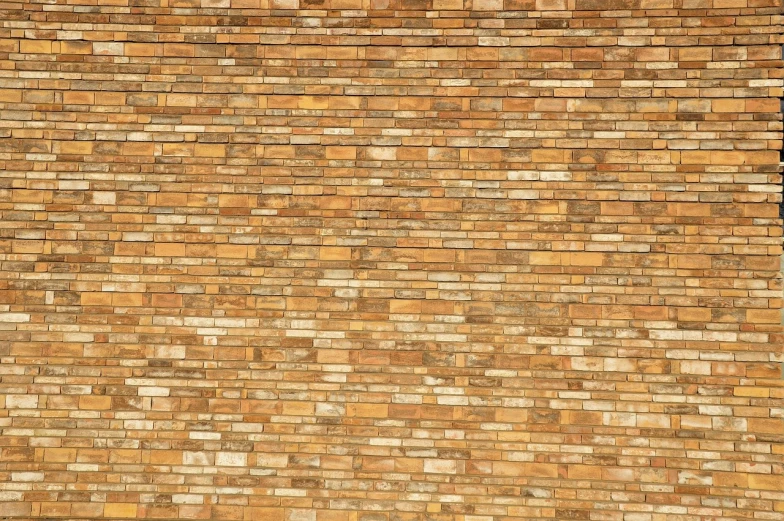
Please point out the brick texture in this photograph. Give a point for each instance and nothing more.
(390, 260)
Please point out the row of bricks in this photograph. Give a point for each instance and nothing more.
(321, 6)
(419, 253)
(230, 344)
(621, 44)
(457, 11)
(400, 298)
(407, 107)
(408, 306)
(513, 49)
(403, 203)
(701, 417)
(403, 154)
(383, 207)
(431, 466)
(305, 512)
(436, 149)
(445, 97)
(643, 259)
(321, 99)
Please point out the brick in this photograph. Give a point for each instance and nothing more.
(79, 98)
(96, 299)
(76, 47)
(115, 510)
(108, 48)
(728, 105)
(333, 253)
(234, 251)
(10, 96)
(74, 147)
(376, 260)
(139, 49)
(95, 402)
(35, 47)
(271, 513)
(342, 152)
(368, 410)
(169, 250)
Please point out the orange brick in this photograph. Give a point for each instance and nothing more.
(233, 251)
(332, 253)
(585, 259)
(35, 47)
(169, 249)
(127, 299)
(10, 96)
(138, 149)
(763, 316)
(341, 152)
(729, 105)
(139, 49)
(79, 98)
(60, 455)
(75, 147)
(92, 403)
(96, 299)
(209, 150)
(367, 410)
(266, 513)
(119, 510)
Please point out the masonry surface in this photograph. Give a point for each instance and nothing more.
(390, 260)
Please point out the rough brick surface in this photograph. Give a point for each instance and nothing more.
(390, 260)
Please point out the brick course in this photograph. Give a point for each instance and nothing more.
(390, 260)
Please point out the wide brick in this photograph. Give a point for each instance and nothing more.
(35, 46)
(115, 510)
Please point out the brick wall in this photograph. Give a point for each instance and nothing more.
(390, 260)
